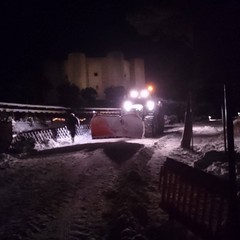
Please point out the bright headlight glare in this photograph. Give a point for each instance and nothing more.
(134, 94)
(150, 105)
(127, 105)
(144, 93)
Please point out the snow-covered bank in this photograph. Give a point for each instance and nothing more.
(208, 144)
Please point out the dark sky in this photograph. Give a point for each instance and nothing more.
(32, 31)
(35, 30)
(56, 27)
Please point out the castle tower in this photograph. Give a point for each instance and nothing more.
(99, 73)
(77, 70)
(115, 69)
(137, 73)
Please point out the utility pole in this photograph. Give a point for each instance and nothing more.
(187, 137)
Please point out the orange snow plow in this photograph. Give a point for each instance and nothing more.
(141, 115)
(107, 126)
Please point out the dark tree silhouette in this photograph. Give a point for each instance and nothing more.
(41, 90)
(32, 88)
(196, 48)
(169, 29)
(165, 20)
(115, 95)
(69, 95)
(89, 95)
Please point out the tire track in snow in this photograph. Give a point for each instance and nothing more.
(81, 215)
(63, 196)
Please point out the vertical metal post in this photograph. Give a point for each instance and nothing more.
(231, 160)
(224, 115)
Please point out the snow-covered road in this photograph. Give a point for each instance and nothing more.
(99, 189)
(71, 195)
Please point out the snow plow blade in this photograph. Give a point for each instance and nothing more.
(129, 126)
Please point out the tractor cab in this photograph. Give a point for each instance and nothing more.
(140, 102)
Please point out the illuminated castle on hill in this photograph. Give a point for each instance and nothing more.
(98, 73)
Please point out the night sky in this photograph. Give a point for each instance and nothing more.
(33, 31)
(185, 44)
(56, 27)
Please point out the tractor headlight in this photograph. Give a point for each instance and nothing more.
(127, 105)
(144, 93)
(150, 105)
(134, 94)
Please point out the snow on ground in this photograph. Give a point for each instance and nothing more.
(99, 189)
(207, 138)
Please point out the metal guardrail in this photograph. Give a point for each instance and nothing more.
(9, 108)
(14, 111)
(25, 108)
(42, 135)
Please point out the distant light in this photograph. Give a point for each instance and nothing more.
(239, 114)
(58, 120)
(211, 119)
(150, 88)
